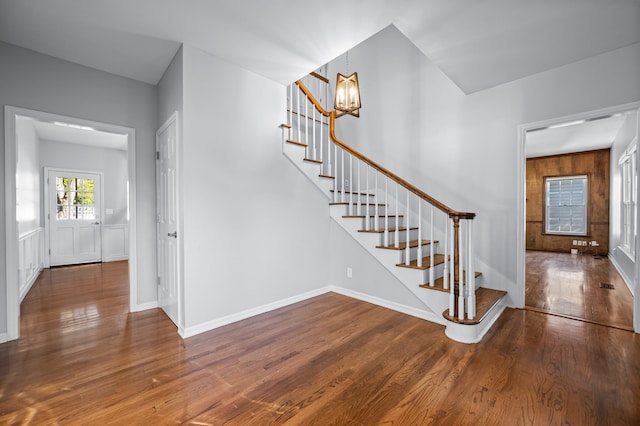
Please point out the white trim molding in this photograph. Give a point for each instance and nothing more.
(115, 242)
(239, 316)
(398, 307)
(11, 241)
(30, 259)
(518, 294)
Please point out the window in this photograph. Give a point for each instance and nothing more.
(566, 205)
(628, 200)
(75, 198)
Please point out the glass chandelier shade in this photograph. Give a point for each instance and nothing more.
(347, 99)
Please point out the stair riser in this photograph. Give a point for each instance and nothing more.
(337, 198)
(426, 251)
(363, 210)
(413, 235)
(381, 222)
(437, 273)
(370, 210)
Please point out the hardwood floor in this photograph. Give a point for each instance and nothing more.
(566, 284)
(330, 360)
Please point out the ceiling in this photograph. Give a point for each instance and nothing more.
(574, 136)
(76, 134)
(477, 43)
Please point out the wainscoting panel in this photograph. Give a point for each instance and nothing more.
(30, 259)
(115, 242)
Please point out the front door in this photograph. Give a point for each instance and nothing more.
(75, 231)
(167, 210)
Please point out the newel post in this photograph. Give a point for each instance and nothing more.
(456, 250)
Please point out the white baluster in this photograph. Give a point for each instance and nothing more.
(367, 223)
(306, 127)
(376, 224)
(407, 260)
(432, 254)
(290, 102)
(299, 138)
(471, 274)
(359, 205)
(386, 211)
(461, 288)
(397, 232)
(323, 167)
(452, 294)
(313, 120)
(350, 185)
(419, 236)
(342, 195)
(445, 273)
(335, 176)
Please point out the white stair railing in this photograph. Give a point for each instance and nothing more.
(447, 231)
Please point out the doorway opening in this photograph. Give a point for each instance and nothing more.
(570, 231)
(35, 140)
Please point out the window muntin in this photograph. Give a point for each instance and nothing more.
(75, 198)
(566, 205)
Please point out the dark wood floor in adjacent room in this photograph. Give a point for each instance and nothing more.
(566, 284)
(330, 360)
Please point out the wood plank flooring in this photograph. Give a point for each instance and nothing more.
(330, 360)
(566, 284)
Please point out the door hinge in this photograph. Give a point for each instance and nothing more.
(49, 251)
(48, 216)
(157, 155)
(158, 280)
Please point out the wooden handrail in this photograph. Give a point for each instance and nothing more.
(415, 190)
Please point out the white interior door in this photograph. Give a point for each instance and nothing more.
(167, 210)
(75, 230)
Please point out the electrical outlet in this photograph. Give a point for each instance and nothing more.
(349, 272)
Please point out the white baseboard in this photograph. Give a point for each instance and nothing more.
(409, 310)
(624, 276)
(3, 337)
(24, 290)
(146, 306)
(115, 258)
(213, 324)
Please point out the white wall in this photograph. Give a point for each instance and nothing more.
(622, 140)
(170, 89)
(39, 82)
(255, 230)
(28, 181)
(464, 149)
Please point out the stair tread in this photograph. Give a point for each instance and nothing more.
(370, 216)
(402, 246)
(311, 160)
(296, 143)
(380, 231)
(346, 203)
(285, 125)
(327, 176)
(426, 262)
(356, 193)
(438, 283)
(486, 298)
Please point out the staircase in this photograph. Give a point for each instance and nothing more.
(426, 245)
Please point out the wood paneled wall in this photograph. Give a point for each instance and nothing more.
(594, 164)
